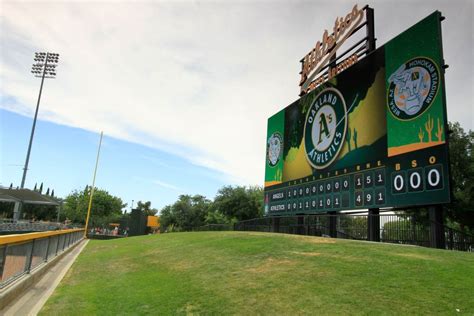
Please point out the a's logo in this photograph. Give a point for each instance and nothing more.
(325, 128)
(274, 149)
(412, 88)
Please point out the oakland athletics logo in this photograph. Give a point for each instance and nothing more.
(325, 128)
(274, 149)
(413, 87)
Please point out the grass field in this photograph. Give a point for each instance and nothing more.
(215, 273)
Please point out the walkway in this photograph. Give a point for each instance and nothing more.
(31, 302)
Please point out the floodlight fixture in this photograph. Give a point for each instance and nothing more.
(45, 67)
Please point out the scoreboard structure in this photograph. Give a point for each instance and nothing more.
(373, 135)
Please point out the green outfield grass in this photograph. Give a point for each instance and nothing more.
(221, 273)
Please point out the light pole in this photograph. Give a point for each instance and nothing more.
(45, 67)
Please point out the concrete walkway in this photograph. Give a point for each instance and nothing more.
(33, 299)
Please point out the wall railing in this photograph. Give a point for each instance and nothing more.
(23, 253)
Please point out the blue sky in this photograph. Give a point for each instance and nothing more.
(63, 158)
(182, 90)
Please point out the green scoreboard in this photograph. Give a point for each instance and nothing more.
(373, 136)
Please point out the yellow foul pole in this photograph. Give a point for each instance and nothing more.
(93, 186)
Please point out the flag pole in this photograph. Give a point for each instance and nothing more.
(93, 186)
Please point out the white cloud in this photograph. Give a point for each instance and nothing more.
(196, 79)
(167, 185)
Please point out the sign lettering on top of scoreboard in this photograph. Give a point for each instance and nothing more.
(373, 136)
(325, 50)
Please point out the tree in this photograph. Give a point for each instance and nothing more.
(240, 202)
(39, 212)
(214, 216)
(146, 208)
(167, 218)
(185, 214)
(6, 209)
(105, 207)
(461, 210)
(191, 211)
(354, 226)
(30, 211)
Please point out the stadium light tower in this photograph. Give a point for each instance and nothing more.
(45, 67)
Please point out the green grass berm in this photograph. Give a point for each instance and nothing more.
(245, 273)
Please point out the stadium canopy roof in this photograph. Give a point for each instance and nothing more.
(25, 196)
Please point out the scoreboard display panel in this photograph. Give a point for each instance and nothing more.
(374, 136)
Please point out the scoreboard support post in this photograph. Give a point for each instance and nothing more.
(276, 224)
(369, 16)
(373, 225)
(437, 238)
(333, 224)
(301, 226)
